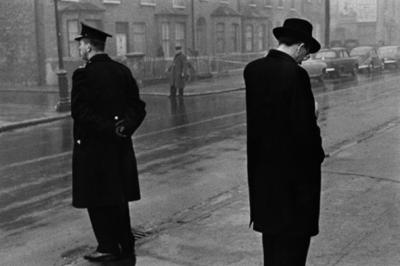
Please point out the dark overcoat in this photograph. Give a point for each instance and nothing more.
(104, 170)
(179, 71)
(283, 146)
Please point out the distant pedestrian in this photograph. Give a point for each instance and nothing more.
(106, 110)
(284, 147)
(178, 72)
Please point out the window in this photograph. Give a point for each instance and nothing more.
(179, 3)
(252, 3)
(139, 38)
(220, 38)
(180, 35)
(70, 0)
(249, 38)
(265, 36)
(259, 38)
(280, 3)
(292, 4)
(166, 43)
(148, 2)
(268, 3)
(73, 31)
(235, 37)
(112, 1)
(121, 38)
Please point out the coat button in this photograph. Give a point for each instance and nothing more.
(78, 141)
(115, 117)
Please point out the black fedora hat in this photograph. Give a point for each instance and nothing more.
(299, 29)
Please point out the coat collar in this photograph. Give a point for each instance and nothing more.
(279, 54)
(99, 58)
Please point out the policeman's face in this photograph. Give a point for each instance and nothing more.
(84, 49)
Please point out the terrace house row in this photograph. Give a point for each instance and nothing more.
(204, 28)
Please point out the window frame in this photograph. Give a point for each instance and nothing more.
(235, 37)
(71, 38)
(126, 33)
(114, 2)
(142, 33)
(220, 37)
(182, 41)
(148, 2)
(246, 38)
(166, 42)
(268, 3)
(179, 4)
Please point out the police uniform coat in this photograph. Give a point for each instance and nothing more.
(178, 71)
(283, 146)
(104, 170)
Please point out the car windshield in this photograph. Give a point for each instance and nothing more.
(389, 50)
(360, 51)
(325, 54)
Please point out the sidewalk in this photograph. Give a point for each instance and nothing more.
(359, 222)
(26, 106)
(220, 83)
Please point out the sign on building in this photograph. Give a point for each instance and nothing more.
(363, 10)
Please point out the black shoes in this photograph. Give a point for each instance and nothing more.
(100, 256)
(97, 256)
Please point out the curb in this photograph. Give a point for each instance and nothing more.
(189, 94)
(37, 121)
(32, 122)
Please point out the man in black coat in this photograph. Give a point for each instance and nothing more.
(284, 146)
(106, 110)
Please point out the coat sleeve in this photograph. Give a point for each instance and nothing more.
(135, 107)
(306, 136)
(81, 109)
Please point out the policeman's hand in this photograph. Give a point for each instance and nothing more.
(120, 128)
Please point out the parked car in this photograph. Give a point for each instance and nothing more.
(390, 55)
(368, 59)
(338, 61)
(316, 69)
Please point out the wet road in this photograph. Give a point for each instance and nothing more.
(172, 146)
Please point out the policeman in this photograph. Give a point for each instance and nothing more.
(106, 110)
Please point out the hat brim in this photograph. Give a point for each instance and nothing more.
(312, 43)
(78, 38)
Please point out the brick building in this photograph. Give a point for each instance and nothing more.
(152, 28)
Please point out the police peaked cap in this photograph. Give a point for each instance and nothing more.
(92, 33)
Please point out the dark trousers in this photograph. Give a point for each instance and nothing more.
(112, 228)
(173, 91)
(284, 250)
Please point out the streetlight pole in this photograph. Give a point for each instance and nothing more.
(327, 22)
(193, 29)
(63, 104)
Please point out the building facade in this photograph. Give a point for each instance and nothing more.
(368, 22)
(151, 28)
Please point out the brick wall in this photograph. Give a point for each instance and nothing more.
(18, 62)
